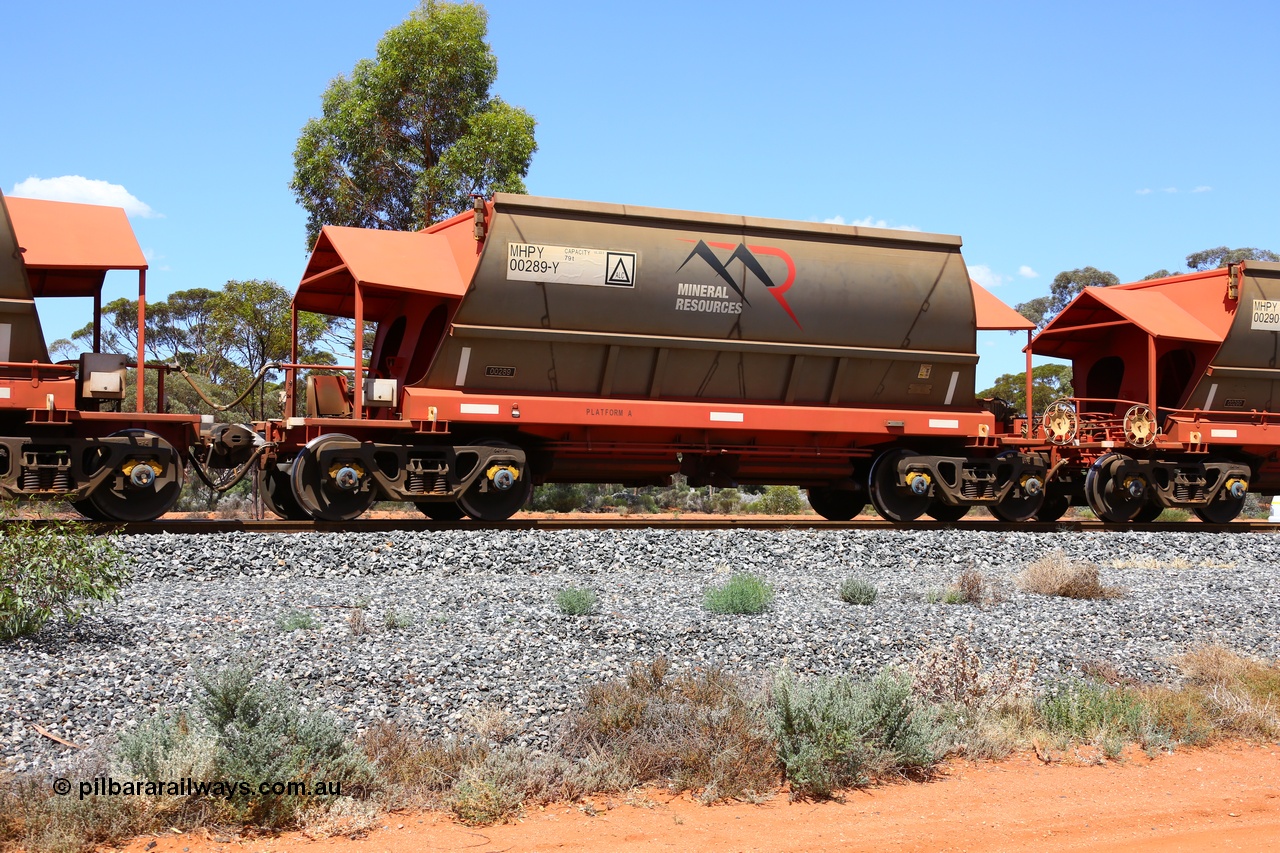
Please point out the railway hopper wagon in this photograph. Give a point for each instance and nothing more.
(537, 340)
(1176, 384)
(75, 430)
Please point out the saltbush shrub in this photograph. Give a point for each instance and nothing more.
(838, 733)
(858, 591)
(742, 594)
(576, 601)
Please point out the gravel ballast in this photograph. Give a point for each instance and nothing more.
(485, 635)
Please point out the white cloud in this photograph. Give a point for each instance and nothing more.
(84, 191)
(1171, 189)
(983, 275)
(1144, 192)
(151, 257)
(1027, 272)
(868, 222)
(1203, 190)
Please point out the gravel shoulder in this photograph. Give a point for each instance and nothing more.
(485, 637)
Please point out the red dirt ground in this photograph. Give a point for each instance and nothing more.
(1225, 798)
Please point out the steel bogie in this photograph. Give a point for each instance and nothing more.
(1121, 488)
(905, 485)
(131, 475)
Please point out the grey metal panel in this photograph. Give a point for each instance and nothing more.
(23, 339)
(732, 300)
(1244, 372)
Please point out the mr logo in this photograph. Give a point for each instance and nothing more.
(747, 256)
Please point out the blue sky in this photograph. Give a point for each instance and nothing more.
(1049, 136)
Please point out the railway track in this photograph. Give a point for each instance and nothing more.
(377, 525)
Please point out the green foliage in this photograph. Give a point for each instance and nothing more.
(837, 733)
(261, 735)
(950, 595)
(1066, 286)
(296, 620)
(780, 500)
(559, 497)
(59, 569)
(1049, 382)
(393, 620)
(743, 594)
(576, 601)
(1089, 709)
(1221, 256)
(602, 497)
(409, 137)
(858, 591)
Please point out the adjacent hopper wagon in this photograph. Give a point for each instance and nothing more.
(76, 430)
(1176, 384)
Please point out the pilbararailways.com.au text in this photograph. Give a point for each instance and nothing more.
(106, 786)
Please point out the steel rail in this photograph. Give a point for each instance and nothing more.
(614, 522)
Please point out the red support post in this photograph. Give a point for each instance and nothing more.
(1030, 408)
(1151, 373)
(291, 373)
(358, 402)
(142, 336)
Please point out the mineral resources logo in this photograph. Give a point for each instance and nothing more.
(715, 299)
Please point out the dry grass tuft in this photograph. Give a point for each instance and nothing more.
(1054, 574)
(1245, 693)
(700, 732)
(956, 674)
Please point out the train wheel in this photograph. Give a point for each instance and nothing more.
(837, 504)
(1024, 500)
(1222, 510)
(277, 494)
(144, 486)
(496, 495)
(1225, 507)
(88, 510)
(1053, 508)
(1150, 512)
(939, 511)
(893, 501)
(441, 510)
(341, 491)
(1113, 499)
